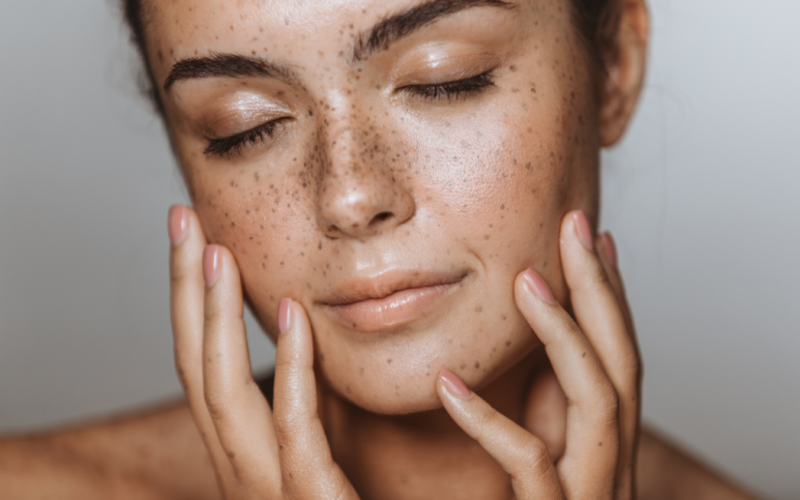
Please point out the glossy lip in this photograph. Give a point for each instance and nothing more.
(391, 299)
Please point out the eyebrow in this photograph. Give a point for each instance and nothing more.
(405, 23)
(227, 65)
(375, 39)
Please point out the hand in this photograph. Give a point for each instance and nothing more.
(596, 362)
(257, 453)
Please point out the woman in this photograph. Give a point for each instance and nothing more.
(405, 193)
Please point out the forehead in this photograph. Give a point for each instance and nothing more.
(184, 28)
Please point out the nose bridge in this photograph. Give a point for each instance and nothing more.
(359, 194)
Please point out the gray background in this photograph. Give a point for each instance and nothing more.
(701, 197)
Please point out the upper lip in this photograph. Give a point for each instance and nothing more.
(386, 283)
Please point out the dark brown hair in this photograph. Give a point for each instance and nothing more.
(595, 21)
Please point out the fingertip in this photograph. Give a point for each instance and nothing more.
(453, 384)
(285, 315)
(608, 249)
(535, 285)
(583, 229)
(177, 224)
(212, 265)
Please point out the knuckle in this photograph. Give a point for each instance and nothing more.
(608, 408)
(534, 461)
(216, 406)
(211, 315)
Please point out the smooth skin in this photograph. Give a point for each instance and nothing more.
(364, 170)
(259, 453)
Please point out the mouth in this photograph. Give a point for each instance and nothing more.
(391, 299)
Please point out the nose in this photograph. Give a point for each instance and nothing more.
(360, 194)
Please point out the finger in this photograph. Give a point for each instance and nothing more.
(600, 315)
(240, 413)
(521, 454)
(545, 413)
(307, 467)
(626, 482)
(187, 290)
(592, 441)
(607, 250)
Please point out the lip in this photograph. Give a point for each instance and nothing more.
(391, 299)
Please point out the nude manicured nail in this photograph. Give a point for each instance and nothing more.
(285, 315)
(455, 385)
(583, 229)
(538, 286)
(212, 265)
(609, 249)
(177, 224)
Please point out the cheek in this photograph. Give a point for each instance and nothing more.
(262, 214)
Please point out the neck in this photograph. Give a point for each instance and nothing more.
(424, 455)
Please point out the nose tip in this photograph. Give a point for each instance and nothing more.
(367, 208)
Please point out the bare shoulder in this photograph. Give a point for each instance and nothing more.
(147, 455)
(665, 472)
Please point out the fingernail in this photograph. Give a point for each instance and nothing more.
(583, 229)
(177, 224)
(538, 286)
(212, 265)
(285, 315)
(454, 384)
(609, 249)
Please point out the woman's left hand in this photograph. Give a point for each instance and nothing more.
(596, 361)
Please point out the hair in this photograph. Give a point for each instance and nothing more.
(596, 22)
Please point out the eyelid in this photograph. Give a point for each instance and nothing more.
(238, 113)
(441, 68)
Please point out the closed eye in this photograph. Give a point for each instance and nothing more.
(237, 144)
(453, 90)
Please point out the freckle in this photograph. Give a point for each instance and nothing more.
(477, 365)
(463, 366)
(281, 263)
(389, 361)
(362, 370)
(600, 443)
(280, 446)
(583, 355)
(322, 357)
(479, 309)
(486, 236)
(512, 68)
(508, 343)
(348, 389)
(231, 455)
(505, 317)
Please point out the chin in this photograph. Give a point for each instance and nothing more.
(397, 375)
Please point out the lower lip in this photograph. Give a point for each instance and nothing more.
(395, 310)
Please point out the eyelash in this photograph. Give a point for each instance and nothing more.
(233, 146)
(453, 90)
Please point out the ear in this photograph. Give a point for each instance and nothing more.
(625, 60)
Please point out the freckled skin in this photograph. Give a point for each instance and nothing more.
(363, 177)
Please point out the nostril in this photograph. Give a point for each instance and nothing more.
(382, 217)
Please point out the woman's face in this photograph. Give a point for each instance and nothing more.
(391, 165)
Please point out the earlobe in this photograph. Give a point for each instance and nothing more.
(625, 69)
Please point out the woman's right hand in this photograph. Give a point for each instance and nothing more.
(257, 452)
